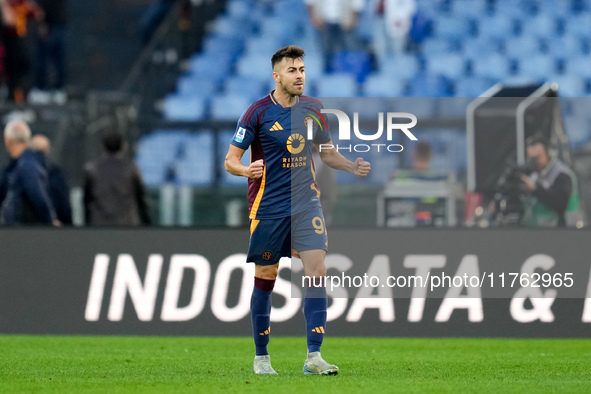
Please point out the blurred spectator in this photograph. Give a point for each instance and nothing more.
(421, 166)
(25, 196)
(59, 191)
(15, 16)
(393, 26)
(114, 192)
(50, 59)
(421, 156)
(336, 21)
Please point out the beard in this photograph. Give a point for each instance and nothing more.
(292, 90)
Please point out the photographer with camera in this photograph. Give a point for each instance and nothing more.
(553, 199)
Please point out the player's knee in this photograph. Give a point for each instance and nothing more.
(267, 271)
(317, 270)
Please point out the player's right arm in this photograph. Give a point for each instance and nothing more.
(244, 136)
(235, 167)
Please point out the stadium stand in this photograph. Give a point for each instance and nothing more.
(472, 45)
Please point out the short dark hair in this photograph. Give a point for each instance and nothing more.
(113, 142)
(423, 151)
(290, 52)
(538, 139)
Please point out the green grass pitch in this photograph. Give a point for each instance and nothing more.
(39, 364)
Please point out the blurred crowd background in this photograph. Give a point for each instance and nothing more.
(174, 76)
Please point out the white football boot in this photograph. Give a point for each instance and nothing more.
(262, 365)
(315, 365)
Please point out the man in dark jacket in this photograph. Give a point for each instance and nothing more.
(26, 199)
(59, 191)
(114, 192)
(51, 34)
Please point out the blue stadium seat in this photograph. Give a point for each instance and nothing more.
(429, 85)
(196, 167)
(229, 107)
(565, 48)
(255, 66)
(420, 106)
(469, 9)
(522, 47)
(403, 66)
(453, 107)
(251, 89)
(314, 68)
(211, 66)
(290, 12)
(241, 9)
(156, 154)
(437, 46)
(472, 86)
(451, 28)
(578, 66)
(193, 85)
(538, 67)
(215, 43)
(281, 27)
(541, 26)
(383, 85)
(184, 107)
(368, 108)
(579, 106)
(495, 67)
(578, 131)
(481, 47)
(337, 85)
(521, 9)
(356, 63)
(497, 27)
(569, 85)
(578, 25)
(230, 27)
(450, 65)
(262, 45)
(560, 9)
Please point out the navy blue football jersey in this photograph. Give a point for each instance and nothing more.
(278, 135)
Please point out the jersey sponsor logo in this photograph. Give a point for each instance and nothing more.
(267, 255)
(239, 137)
(276, 127)
(295, 143)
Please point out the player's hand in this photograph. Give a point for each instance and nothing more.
(361, 168)
(255, 169)
(528, 183)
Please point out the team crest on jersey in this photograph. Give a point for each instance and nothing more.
(307, 119)
(239, 137)
(267, 255)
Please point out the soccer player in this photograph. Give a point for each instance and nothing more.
(285, 213)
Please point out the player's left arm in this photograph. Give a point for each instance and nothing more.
(332, 158)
